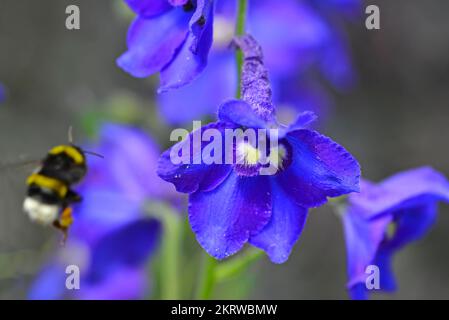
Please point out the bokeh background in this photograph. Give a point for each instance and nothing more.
(396, 118)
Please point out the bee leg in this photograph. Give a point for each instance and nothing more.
(73, 197)
(64, 231)
(64, 222)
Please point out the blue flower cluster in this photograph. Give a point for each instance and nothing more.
(310, 40)
(170, 37)
(385, 217)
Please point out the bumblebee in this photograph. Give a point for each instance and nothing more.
(49, 195)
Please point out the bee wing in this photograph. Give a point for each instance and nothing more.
(13, 187)
(21, 164)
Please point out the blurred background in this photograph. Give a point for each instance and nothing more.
(394, 119)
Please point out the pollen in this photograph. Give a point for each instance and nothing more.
(391, 230)
(247, 154)
(277, 156)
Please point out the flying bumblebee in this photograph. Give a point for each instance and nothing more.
(49, 195)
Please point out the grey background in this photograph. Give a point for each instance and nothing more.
(394, 120)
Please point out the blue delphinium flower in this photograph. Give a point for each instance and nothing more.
(111, 238)
(384, 218)
(230, 205)
(310, 40)
(172, 37)
(111, 266)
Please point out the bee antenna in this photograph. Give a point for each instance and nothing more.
(70, 135)
(93, 154)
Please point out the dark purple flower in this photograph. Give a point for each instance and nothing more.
(111, 238)
(231, 204)
(310, 41)
(385, 217)
(172, 37)
(111, 267)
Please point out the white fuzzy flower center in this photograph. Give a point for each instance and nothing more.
(247, 154)
(277, 157)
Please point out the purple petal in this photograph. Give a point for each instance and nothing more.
(363, 238)
(119, 250)
(303, 95)
(403, 190)
(240, 113)
(302, 121)
(128, 247)
(149, 8)
(152, 43)
(190, 177)
(130, 159)
(320, 168)
(199, 22)
(350, 8)
(49, 284)
(282, 232)
(303, 33)
(336, 65)
(214, 90)
(177, 2)
(409, 199)
(225, 218)
(412, 224)
(2, 93)
(358, 292)
(383, 261)
(123, 284)
(191, 59)
(102, 211)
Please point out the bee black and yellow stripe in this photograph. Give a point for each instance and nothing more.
(58, 186)
(49, 193)
(72, 152)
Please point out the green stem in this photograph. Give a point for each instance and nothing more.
(208, 277)
(207, 281)
(242, 7)
(171, 249)
(232, 268)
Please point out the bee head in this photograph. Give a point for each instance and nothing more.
(65, 162)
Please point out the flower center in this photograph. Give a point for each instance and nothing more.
(391, 230)
(255, 161)
(247, 154)
(278, 157)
